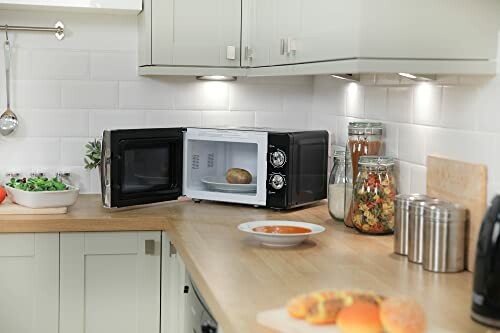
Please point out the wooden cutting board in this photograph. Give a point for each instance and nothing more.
(279, 321)
(9, 208)
(463, 183)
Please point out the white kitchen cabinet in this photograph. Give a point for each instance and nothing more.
(110, 282)
(29, 283)
(98, 6)
(367, 36)
(204, 33)
(173, 280)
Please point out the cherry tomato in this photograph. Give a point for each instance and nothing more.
(3, 194)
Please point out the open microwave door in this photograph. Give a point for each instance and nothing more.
(142, 166)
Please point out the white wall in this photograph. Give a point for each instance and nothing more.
(66, 92)
(457, 117)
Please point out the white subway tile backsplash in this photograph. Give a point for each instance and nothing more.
(375, 102)
(404, 172)
(418, 179)
(328, 96)
(487, 112)
(294, 120)
(297, 98)
(184, 118)
(399, 104)
(147, 94)
(459, 107)
(111, 66)
(427, 104)
(227, 118)
(391, 142)
(55, 123)
(89, 94)
(30, 153)
(115, 119)
(59, 65)
(250, 97)
(411, 145)
(36, 94)
(355, 100)
(73, 151)
(201, 95)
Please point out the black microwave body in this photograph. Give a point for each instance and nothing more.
(142, 166)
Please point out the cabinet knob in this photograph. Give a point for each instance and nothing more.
(149, 246)
(282, 46)
(231, 52)
(291, 46)
(248, 53)
(172, 250)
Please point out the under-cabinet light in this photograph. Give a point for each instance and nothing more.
(346, 77)
(216, 78)
(417, 77)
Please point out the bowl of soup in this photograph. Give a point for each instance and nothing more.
(279, 233)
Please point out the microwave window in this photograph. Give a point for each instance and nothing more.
(146, 169)
(311, 170)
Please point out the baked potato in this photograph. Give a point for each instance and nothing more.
(238, 176)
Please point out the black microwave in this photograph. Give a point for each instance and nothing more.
(288, 167)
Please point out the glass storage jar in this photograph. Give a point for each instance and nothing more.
(375, 189)
(339, 185)
(365, 138)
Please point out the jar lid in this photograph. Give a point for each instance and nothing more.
(342, 155)
(365, 128)
(444, 212)
(376, 161)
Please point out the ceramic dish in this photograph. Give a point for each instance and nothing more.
(280, 239)
(220, 184)
(43, 199)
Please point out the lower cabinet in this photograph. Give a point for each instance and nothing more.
(29, 283)
(110, 282)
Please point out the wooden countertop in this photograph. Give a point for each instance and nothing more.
(239, 278)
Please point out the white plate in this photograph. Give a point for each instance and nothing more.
(214, 183)
(43, 199)
(280, 240)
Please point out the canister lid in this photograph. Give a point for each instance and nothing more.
(342, 155)
(365, 128)
(376, 161)
(405, 200)
(444, 212)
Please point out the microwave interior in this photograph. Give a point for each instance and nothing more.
(208, 162)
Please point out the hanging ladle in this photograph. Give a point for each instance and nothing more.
(8, 119)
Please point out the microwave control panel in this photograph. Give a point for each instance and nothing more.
(278, 170)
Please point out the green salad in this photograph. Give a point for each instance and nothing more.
(37, 184)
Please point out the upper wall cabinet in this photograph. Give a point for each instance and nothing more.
(325, 36)
(203, 33)
(100, 6)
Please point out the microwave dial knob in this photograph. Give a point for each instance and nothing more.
(278, 159)
(277, 182)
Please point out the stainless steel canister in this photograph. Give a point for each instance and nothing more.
(402, 219)
(444, 237)
(416, 229)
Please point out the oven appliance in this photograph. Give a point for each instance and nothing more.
(141, 166)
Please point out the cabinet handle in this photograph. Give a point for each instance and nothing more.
(248, 53)
(231, 52)
(282, 46)
(149, 246)
(172, 250)
(291, 46)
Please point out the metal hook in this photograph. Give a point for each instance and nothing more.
(7, 32)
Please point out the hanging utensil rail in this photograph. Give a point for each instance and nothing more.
(58, 29)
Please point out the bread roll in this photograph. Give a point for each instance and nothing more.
(238, 176)
(326, 310)
(299, 306)
(402, 316)
(360, 317)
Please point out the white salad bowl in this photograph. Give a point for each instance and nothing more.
(43, 199)
(280, 240)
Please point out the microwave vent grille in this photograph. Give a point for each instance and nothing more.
(195, 162)
(211, 160)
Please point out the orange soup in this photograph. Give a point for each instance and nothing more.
(282, 229)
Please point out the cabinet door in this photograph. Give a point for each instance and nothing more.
(29, 283)
(258, 24)
(173, 299)
(287, 15)
(196, 32)
(110, 282)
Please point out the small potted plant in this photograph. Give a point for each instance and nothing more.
(92, 157)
